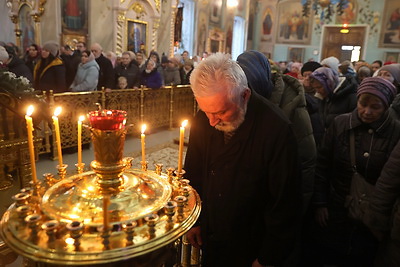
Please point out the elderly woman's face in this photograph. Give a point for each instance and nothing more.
(386, 75)
(318, 87)
(370, 108)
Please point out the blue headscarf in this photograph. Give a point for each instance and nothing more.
(258, 72)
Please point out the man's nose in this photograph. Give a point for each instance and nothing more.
(214, 120)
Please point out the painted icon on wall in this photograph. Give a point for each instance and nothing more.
(293, 27)
(136, 35)
(27, 26)
(390, 33)
(74, 15)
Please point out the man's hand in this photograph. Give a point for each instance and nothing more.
(257, 264)
(322, 216)
(194, 237)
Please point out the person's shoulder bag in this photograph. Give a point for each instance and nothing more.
(360, 189)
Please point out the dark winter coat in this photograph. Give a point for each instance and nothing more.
(130, 72)
(19, 68)
(249, 187)
(171, 76)
(51, 77)
(342, 101)
(313, 104)
(185, 77)
(383, 211)
(151, 80)
(288, 94)
(106, 73)
(373, 144)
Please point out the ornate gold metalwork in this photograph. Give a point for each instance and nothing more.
(161, 108)
(138, 220)
(120, 25)
(158, 5)
(139, 10)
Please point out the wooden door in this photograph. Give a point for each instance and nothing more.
(333, 40)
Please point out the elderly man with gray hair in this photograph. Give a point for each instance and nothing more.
(242, 159)
(106, 72)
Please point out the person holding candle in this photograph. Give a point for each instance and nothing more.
(242, 159)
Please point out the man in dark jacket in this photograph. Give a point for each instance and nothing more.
(242, 159)
(106, 72)
(17, 65)
(129, 69)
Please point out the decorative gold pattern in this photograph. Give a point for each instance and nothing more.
(158, 4)
(120, 24)
(156, 110)
(139, 10)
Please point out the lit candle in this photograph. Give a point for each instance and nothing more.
(81, 118)
(142, 136)
(29, 128)
(181, 142)
(57, 112)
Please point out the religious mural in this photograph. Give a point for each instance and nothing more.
(74, 17)
(349, 13)
(390, 33)
(292, 26)
(268, 23)
(137, 32)
(27, 26)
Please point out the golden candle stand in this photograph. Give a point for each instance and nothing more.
(114, 214)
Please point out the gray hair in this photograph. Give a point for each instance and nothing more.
(216, 74)
(97, 45)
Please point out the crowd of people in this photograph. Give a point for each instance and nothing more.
(82, 69)
(273, 150)
(273, 153)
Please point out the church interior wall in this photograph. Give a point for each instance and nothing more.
(101, 24)
(210, 22)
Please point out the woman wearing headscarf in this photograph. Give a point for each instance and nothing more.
(392, 74)
(49, 72)
(339, 240)
(288, 94)
(87, 76)
(32, 56)
(335, 99)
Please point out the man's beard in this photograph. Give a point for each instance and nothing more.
(232, 126)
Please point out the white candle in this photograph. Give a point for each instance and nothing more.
(57, 112)
(181, 143)
(142, 137)
(81, 119)
(29, 129)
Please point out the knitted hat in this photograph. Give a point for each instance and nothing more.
(327, 78)
(394, 69)
(331, 62)
(52, 47)
(164, 59)
(3, 54)
(310, 66)
(379, 87)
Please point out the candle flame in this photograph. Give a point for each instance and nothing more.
(29, 111)
(81, 118)
(143, 128)
(184, 123)
(57, 111)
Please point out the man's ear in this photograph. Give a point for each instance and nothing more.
(246, 94)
